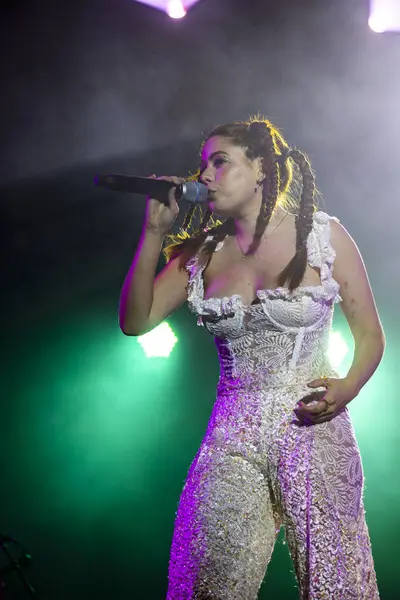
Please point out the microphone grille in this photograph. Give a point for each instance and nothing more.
(195, 192)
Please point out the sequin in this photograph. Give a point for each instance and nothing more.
(257, 467)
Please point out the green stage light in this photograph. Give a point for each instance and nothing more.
(159, 342)
(338, 349)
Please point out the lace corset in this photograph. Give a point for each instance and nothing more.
(283, 337)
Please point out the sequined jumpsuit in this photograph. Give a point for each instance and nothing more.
(257, 468)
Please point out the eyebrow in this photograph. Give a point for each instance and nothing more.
(214, 154)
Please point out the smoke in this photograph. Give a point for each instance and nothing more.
(110, 79)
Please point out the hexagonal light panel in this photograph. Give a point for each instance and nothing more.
(159, 342)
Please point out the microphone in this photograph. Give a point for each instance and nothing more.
(191, 191)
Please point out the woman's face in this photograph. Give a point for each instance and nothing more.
(230, 177)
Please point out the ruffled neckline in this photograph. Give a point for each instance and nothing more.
(230, 305)
(320, 254)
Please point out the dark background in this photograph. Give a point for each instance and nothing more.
(95, 440)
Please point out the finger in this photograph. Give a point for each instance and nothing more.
(178, 180)
(172, 179)
(327, 411)
(322, 417)
(321, 382)
(312, 410)
(312, 398)
(316, 383)
(172, 203)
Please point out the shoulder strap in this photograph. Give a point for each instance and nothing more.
(320, 252)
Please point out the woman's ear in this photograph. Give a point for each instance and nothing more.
(260, 175)
(256, 165)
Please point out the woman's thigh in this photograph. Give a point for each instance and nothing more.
(321, 483)
(224, 530)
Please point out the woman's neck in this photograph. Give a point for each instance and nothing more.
(246, 226)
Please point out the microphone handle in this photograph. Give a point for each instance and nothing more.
(155, 188)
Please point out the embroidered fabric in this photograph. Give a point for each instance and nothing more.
(320, 254)
(257, 467)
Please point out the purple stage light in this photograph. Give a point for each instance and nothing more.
(384, 15)
(176, 9)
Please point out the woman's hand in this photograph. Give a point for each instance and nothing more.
(160, 218)
(337, 394)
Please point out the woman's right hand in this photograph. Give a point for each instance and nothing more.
(159, 217)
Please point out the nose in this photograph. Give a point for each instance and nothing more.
(206, 176)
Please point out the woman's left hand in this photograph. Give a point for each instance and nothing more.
(337, 394)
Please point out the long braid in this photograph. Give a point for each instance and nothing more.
(294, 271)
(270, 192)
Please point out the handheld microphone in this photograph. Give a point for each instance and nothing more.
(191, 191)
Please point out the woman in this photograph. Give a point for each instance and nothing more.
(279, 448)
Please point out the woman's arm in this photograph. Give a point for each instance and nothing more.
(358, 307)
(147, 300)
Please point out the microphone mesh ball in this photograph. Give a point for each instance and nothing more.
(195, 192)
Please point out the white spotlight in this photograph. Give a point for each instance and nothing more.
(384, 15)
(375, 25)
(175, 9)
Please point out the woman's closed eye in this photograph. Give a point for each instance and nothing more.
(219, 161)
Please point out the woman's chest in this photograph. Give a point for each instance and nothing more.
(228, 273)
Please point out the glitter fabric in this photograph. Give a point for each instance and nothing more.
(257, 467)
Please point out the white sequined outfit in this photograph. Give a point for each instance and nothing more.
(257, 467)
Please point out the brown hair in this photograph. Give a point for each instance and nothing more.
(259, 139)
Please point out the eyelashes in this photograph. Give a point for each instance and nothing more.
(217, 162)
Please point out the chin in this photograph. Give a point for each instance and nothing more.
(218, 208)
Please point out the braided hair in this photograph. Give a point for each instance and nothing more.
(294, 271)
(259, 139)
